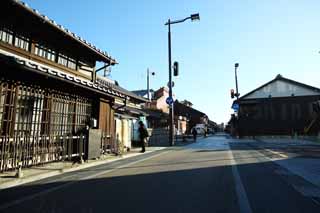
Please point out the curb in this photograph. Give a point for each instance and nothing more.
(30, 179)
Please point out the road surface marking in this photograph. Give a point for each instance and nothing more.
(277, 153)
(30, 197)
(315, 201)
(243, 201)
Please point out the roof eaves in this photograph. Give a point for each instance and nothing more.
(300, 84)
(191, 109)
(130, 94)
(74, 36)
(279, 77)
(56, 73)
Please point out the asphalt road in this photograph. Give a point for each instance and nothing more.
(213, 175)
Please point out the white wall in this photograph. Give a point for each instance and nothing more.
(281, 88)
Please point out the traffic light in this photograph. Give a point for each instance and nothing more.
(175, 68)
(232, 93)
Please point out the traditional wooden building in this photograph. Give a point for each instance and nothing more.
(188, 117)
(52, 104)
(127, 117)
(156, 113)
(279, 107)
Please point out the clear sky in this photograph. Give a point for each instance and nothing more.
(266, 37)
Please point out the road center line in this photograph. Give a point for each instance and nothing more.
(30, 197)
(243, 201)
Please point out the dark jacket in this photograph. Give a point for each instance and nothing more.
(194, 131)
(143, 132)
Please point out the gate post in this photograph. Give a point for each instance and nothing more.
(19, 173)
(81, 144)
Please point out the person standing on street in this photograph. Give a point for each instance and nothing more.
(194, 133)
(143, 134)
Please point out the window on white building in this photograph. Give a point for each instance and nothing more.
(6, 36)
(67, 61)
(45, 52)
(22, 42)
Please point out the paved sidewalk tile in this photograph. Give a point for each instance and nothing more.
(288, 140)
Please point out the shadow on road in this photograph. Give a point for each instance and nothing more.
(210, 189)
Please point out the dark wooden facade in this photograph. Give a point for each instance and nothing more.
(279, 107)
(106, 124)
(49, 95)
(41, 119)
(278, 116)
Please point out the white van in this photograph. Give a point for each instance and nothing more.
(200, 128)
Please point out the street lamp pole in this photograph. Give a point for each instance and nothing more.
(236, 65)
(148, 83)
(171, 112)
(193, 17)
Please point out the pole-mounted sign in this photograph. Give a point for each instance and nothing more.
(169, 101)
(235, 107)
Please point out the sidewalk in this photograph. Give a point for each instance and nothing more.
(300, 157)
(8, 179)
(287, 140)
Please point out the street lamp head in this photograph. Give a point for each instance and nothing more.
(236, 65)
(153, 73)
(195, 17)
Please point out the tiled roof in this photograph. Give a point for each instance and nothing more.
(66, 31)
(184, 110)
(142, 92)
(110, 89)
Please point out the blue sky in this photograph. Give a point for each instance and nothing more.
(266, 37)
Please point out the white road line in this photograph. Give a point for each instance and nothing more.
(243, 201)
(30, 197)
(315, 201)
(277, 153)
